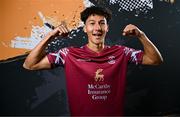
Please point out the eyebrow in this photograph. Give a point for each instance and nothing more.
(99, 21)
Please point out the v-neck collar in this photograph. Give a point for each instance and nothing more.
(93, 52)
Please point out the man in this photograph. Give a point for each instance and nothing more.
(95, 73)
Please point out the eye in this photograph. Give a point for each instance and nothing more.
(92, 23)
(102, 23)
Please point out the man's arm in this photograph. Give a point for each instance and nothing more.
(37, 58)
(151, 55)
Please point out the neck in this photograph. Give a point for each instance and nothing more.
(96, 47)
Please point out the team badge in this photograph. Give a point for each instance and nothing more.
(111, 60)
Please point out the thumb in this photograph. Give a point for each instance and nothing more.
(124, 34)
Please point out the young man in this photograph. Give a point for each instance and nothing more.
(95, 73)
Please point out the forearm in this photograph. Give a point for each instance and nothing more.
(152, 55)
(37, 53)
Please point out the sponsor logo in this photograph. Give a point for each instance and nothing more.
(98, 75)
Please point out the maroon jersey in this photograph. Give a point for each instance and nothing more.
(96, 81)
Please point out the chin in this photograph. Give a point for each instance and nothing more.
(99, 42)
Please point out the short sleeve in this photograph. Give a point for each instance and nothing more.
(58, 58)
(133, 56)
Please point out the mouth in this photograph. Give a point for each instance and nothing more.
(97, 34)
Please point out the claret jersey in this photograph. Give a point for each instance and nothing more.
(95, 81)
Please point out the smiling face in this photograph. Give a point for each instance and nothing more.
(96, 28)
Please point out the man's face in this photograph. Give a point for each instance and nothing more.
(96, 28)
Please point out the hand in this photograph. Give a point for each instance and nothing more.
(132, 30)
(60, 30)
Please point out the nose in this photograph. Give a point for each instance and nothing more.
(97, 27)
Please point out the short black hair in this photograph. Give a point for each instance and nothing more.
(102, 11)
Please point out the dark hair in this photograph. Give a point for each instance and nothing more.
(96, 10)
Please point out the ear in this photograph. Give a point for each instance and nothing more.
(107, 28)
(84, 28)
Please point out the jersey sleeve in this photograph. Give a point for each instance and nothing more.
(58, 58)
(133, 56)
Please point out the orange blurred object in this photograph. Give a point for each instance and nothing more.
(18, 16)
